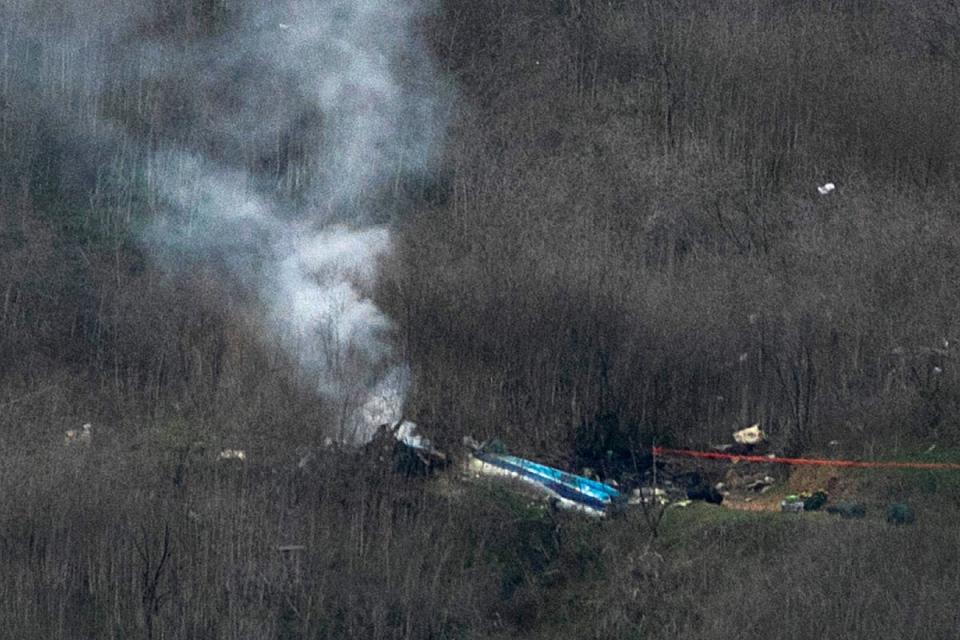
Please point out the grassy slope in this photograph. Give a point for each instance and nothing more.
(387, 557)
(625, 184)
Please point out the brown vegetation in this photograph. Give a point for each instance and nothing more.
(622, 242)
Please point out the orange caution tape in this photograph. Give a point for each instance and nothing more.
(661, 451)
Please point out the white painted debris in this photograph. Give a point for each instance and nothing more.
(648, 495)
(406, 432)
(937, 371)
(791, 507)
(826, 188)
(83, 436)
(760, 485)
(233, 454)
(750, 435)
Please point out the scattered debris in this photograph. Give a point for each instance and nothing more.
(900, 513)
(798, 503)
(700, 489)
(751, 435)
(232, 454)
(791, 504)
(407, 433)
(82, 436)
(814, 501)
(848, 509)
(411, 453)
(414, 453)
(760, 485)
(648, 495)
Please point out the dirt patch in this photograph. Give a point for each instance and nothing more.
(839, 484)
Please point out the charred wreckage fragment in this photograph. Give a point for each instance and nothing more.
(407, 451)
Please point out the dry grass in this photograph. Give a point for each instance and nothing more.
(384, 558)
(622, 241)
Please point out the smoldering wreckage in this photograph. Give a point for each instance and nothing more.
(409, 452)
(401, 447)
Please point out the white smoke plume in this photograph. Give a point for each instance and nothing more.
(347, 82)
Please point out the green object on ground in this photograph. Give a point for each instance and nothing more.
(900, 513)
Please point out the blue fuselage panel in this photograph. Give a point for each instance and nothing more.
(590, 493)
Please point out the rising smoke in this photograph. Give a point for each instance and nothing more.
(265, 135)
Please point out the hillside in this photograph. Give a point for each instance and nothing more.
(579, 226)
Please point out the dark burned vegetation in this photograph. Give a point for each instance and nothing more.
(621, 242)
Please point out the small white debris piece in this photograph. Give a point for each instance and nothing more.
(826, 188)
(750, 435)
(791, 507)
(283, 26)
(743, 357)
(406, 432)
(834, 443)
(287, 548)
(937, 371)
(233, 454)
(306, 459)
(648, 495)
(760, 485)
(83, 436)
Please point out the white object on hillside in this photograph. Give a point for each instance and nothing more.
(750, 435)
(826, 189)
(233, 454)
(406, 432)
(83, 436)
